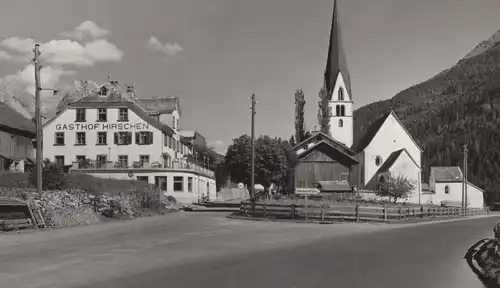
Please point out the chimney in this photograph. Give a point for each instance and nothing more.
(130, 88)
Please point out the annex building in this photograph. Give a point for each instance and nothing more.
(111, 133)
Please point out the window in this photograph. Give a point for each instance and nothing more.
(123, 138)
(80, 138)
(177, 123)
(161, 182)
(344, 177)
(341, 123)
(81, 160)
(330, 111)
(378, 160)
(178, 185)
(143, 179)
(102, 115)
(101, 160)
(102, 138)
(59, 160)
(446, 189)
(208, 189)
(190, 184)
(341, 94)
(342, 110)
(337, 110)
(144, 159)
(123, 114)
(123, 160)
(174, 123)
(59, 138)
(81, 115)
(144, 138)
(177, 145)
(381, 183)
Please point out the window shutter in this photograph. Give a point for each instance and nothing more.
(116, 138)
(137, 137)
(129, 138)
(150, 137)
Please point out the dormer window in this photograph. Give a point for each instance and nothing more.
(103, 91)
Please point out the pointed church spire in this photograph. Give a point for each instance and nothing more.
(336, 61)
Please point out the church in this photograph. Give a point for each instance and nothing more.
(385, 150)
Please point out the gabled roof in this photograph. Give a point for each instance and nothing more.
(330, 146)
(375, 127)
(13, 122)
(336, 60)
(392, 159)
(163, 105)
(106, 93)
(324, 137)
(447, 174)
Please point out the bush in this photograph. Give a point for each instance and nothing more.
(55, 179)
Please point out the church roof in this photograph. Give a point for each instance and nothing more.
(336, 61)
(370, 133)
(392, 159)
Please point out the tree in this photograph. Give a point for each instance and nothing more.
(271, 161)
(396, 187)
(292, 141)
(300, 127)
(324, 112)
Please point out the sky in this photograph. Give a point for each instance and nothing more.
(214, 54)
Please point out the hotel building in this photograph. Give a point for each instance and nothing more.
(113, 134)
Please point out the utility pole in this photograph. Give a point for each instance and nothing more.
(38, 122)
(464, 185)
(253, 149)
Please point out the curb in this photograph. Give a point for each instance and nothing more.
(392, 223)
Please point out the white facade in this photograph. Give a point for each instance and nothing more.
(452, 192)
(107, 140)
(186, 186)
(405, 166)
(341, 113)
(391, 136)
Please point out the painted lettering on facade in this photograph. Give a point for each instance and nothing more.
(101, 126)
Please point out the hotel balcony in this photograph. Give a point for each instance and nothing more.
(154, 167)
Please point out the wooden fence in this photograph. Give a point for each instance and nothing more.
(356, 213)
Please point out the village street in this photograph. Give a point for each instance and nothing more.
(208, 250)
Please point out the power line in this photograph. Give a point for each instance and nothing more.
(13, 78)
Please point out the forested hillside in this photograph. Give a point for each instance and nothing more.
(460, 105)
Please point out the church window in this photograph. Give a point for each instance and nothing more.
(342, 110)
(446, 189)
(378, 160)
(341, 123)
(341, 94)
(337, 109)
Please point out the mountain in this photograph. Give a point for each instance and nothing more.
(460, 105)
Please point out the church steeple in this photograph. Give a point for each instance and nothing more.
(336, 61)
(338, 86)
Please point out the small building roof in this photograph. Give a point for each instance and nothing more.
(13, 122)
(392, 159)
(334, 186)
(447, 174)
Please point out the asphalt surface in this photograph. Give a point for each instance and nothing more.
(207, 250)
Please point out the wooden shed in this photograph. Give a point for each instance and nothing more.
(321, 158)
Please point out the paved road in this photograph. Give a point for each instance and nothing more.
(186, 250)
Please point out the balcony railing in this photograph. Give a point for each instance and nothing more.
(93, 165)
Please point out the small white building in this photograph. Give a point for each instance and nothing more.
(446, 187)
(112, 134)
